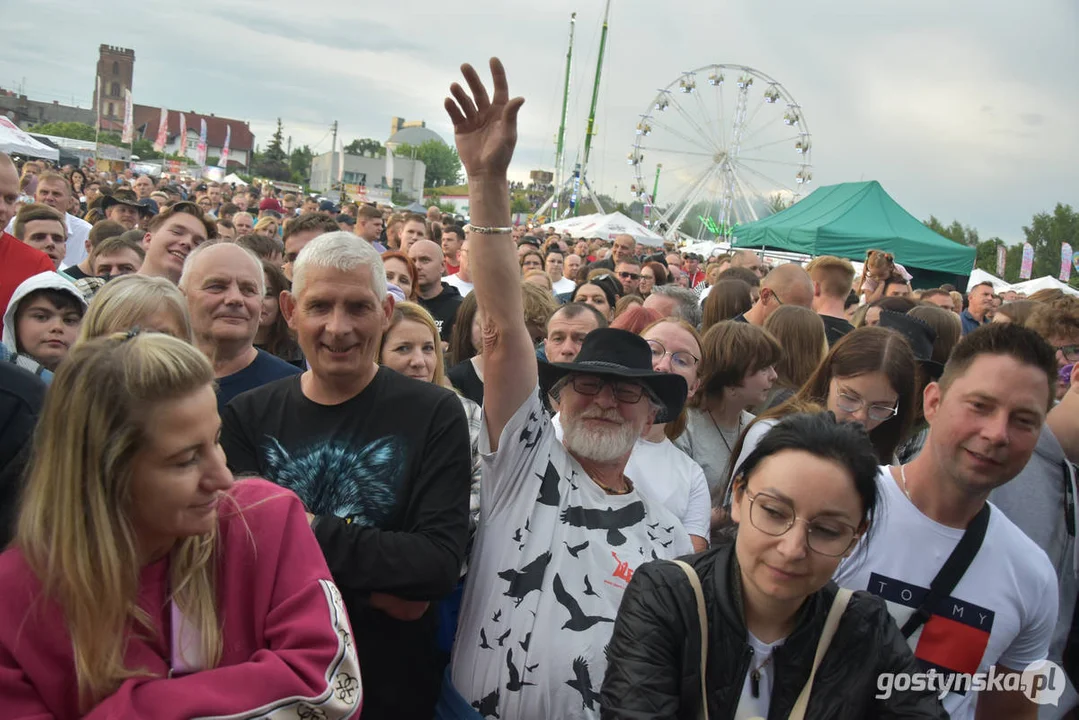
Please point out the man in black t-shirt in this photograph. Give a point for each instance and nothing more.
(441, 299)
(832, 280)
(382, 462)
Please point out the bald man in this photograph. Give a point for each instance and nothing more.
(224, 286)
(18, 260)
(749, 260)
(440, 298)
(785, 285)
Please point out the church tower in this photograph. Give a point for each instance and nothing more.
(116, 69)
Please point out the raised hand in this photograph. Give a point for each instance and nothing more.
(485, 128)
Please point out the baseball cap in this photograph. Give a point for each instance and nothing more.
(327, 206)
(270, 204)
(345, 218)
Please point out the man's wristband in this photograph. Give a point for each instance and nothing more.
(481, 230)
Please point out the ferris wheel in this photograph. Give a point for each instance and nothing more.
(719, 146)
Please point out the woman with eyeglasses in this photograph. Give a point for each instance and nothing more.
(677, 478)
(802, 499)
(737, 369)
(868, 377)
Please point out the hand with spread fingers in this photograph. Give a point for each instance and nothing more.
(485, 128)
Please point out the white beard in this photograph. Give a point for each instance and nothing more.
(599, 444)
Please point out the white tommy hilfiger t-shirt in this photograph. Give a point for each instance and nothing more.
(1002, 611)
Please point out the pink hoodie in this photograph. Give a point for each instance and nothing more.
(288, 649)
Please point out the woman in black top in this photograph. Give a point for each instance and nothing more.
(801, 501)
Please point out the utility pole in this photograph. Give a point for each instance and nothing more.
(289, 151)
(333, 155)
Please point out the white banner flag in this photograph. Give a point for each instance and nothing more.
(389, 167)
(129, 120)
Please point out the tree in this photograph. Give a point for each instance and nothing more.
(777, 203)
(273, 163)
(443, 165)
(520, 204)
(956, 232)
(300, 164)
(73, 130)
(1046, 233)
(364, 146)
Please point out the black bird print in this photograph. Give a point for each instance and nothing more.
(527, 579)
(548, 494)
(582, 683)
(654, 556)
(530, 433)
(610, 520)
(578, 621)
(530, 668)
(527, 521)
(668, 530)
(488, 706)
(653, 527)
(497, 616)
(525, 643)
(502, 638)
(517, 536)
(588, 588)
(651, 537)
(515, 683)
(666, 544)
(575, 549)
(483, 640)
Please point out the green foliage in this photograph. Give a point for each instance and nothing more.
(777, 203)
(956, 232)
(273, 163)
(399, 198)
(73, 130)
(363, 146)
(519, 204)
(443, 165)
(1047, 233)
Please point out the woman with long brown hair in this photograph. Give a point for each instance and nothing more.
(801, 334)
(143, 580)
(870, 376)
(274, 335)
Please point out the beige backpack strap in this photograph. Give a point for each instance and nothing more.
(839, 605)
(702, 619)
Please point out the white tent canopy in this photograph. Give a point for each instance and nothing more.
(1048, 282)
(979, 276)
(14, 141)
(605, 227)
(233, 179)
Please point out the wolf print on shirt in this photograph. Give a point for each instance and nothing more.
(336, 479)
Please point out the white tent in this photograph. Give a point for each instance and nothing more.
(978, 276)
(606, 227)
(1048, 282)
(14, 141)
(233, 179)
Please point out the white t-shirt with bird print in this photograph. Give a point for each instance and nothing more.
(552, 557)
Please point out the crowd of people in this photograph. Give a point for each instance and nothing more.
(264, 456)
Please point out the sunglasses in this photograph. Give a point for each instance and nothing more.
(629, 276)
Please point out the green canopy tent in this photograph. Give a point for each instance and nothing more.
(848, 219)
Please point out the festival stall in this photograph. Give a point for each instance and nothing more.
(848, 219)
(605, 227)
(14, 141)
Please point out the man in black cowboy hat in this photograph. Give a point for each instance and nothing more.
(124, 207)
(562, 527)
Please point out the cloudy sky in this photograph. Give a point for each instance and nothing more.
(964, 109)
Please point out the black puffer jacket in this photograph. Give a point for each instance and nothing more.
(653, 669)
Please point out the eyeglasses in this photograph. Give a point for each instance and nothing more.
(775, 296)
(1070, 352)
(629, 276)
(775, 517)
(680, 359)
(626, 392)
(852, 403)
